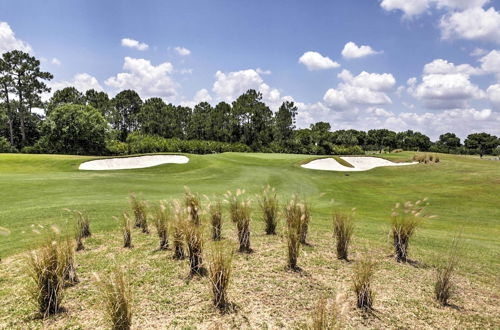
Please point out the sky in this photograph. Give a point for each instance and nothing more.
(426, 65)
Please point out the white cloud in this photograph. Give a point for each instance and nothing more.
(55, 61)
(263, 72)
(351, 50)
(374, 81)
(316, 61)
(410, 8)
(81, 81)
(472, 24)
(201, 96)
(131, 43)
(440, 66)
(494, 95)
(8, 40)
(145, 78)
(490, 63)
(182, 51)
(446, 91)
(478, 52)
(460, 4)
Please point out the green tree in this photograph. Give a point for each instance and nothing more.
(67, 95)
(200, 127)
(381, 138)
(75, 129)
(20, 75)
(410, 140)
(154, 117)
(449, 141)
(99, 100)
(220, 122)
(483, 143)
(126, 107)
(284, 124)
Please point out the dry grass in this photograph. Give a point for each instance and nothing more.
(362, 284)
(305, 223)
(139, 209)
(240, 211)
(444, 287)
(160, 221)
(68, 252)
(177, 229)
(215, 211)
(295, 217)
(193, 206)
(343, 228)
(117, 299)
(268, 203)
(126, 227)
(425, 158)
(194, 242)
(219, 271)
(46, 268)
(324, 316)
(405, 219)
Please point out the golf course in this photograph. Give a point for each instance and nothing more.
(462, 194)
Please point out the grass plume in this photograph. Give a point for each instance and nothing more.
(240, 211)
(362, 284)
(139, 208)
(304, 229)
(194, 243)
(220, 262)
(343, 228)
(268, 203)
(177, 230)
(160, 221)
(295, 217)
(117, 299)
(126, 227)
(193, 206)
(443, 285)
(215, 211)
(324, 317)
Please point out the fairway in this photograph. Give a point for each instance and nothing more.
(463, 193)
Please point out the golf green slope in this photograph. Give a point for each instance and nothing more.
(463, 193)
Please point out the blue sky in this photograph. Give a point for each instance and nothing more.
(428, 65)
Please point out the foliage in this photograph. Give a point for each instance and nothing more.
(482, 143)
(5, 146)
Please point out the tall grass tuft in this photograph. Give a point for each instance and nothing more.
(343, 228)
(193, 206)
(443, 286)
(126, 226)
(68, 253)
(177, 230)
(405, 219)
(139, 208)
(426, 158)
(83, 222)
(160, 221)
(194, 242)
(268, 203)
(362, 284)
(304, 229)
(240, 211)
(220, 262)
(215, 210)
(117, 298)
(295, 217)
(324, 317)
(46, 267)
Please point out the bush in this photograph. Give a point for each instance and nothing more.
(115, 147)
(343, 227)
(239, 209)
(5, 146)
(269, 206)
(117, 298)
(349, 150)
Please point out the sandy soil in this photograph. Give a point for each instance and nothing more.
(358, 163)
(132, 162)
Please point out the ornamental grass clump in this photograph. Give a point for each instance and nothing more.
(139, 208)
(160, 220)
(177, 230)
(46, 268)
(324, 317)
(443, 285)
(68, 252)
(343, 228)
(268, 203)
(405, 219)
(304, 229)
(194, 242)
(126, 227)
(117, 299)
(295, 216)
(215, 211)
(240, 212)
(362, 284)
(193, 206)
(219, 273)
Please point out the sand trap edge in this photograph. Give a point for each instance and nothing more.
(134, 162)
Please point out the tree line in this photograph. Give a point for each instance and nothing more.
(94, 123)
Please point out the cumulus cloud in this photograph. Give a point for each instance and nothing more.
(55, 61)
(81, 81)
(145, 78)
(351, 50)
(490, 63)
(316, 61)
(131, 43)
(440, 66)
(8, 40)
(182, 51)
(472, 24)
(494, 95)
(411, 8)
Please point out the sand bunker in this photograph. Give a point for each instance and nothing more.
(359, 163)
(132, 162)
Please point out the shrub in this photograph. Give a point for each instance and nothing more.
(193, 206)
(139, 208)
(443, 286)
(269, 206)
(305, 223)
(46, 269)
(395, 151)
(160, 221)
(117, 299)
(295, 216)
(324, 317)
(405, 219)
(215, 210)
(220, 274)
(115, 147)
(126, 223)
(426, 158)
(240, 211)
(362, 282)
(343, 227)
(5, 146)
(177, 230)
(194, 242)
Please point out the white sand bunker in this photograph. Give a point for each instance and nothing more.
(132, 162)
(359, 163)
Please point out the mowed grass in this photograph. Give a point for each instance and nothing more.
(462, 192)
